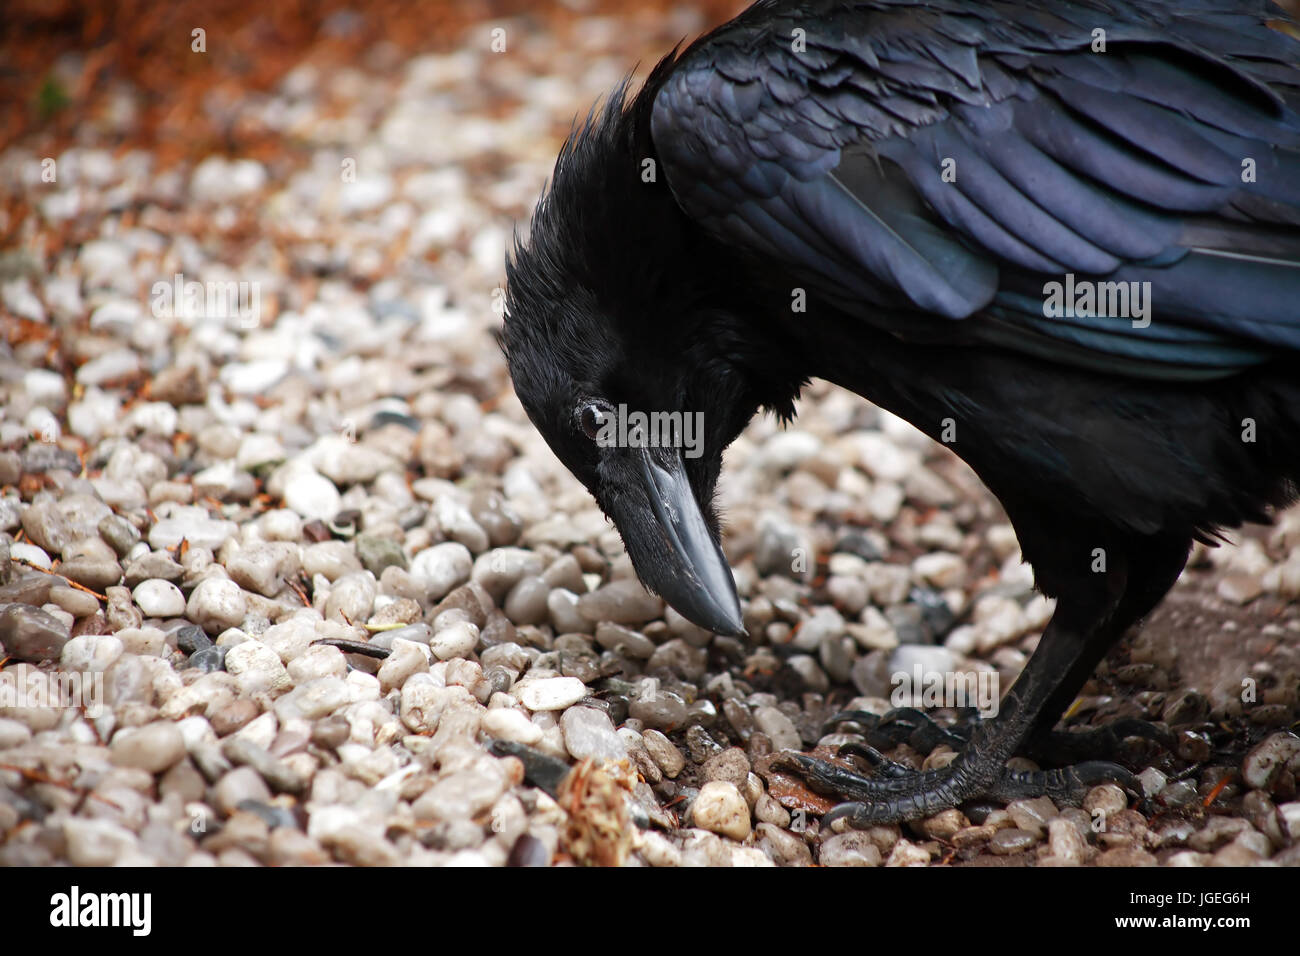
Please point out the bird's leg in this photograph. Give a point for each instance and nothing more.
(1074, 642)
(1067, 647)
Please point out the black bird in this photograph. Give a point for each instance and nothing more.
(913, 199)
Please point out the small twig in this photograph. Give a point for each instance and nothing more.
(71, 583)
(37, 776)
(1218, 789)
(354, 647)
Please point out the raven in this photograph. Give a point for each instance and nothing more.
(1061, 237)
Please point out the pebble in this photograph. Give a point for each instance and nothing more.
(623, 640)
(1239, 588)
(720, 808)
(442, 567)
(261, 567)
(1012, 840)
(1032, 815)
(1065, 842)
(1265, 764)
(75, 602)
(906, 853)
(256, 667)
(527, 601)
(238, 786)
(1105, 799)
(209, 659)
(194, 527)
(589, 732)
(96, 575)
(217, 604)
(311, 495)
(824, 625)
(407, 658)
(784, 549)
(45, 525)
(156, 565)
(853, 848)
(30, 634)
(670, 760)
(779, 727)
(505, 723)
(940, 569)
(318, 661)
(730, 765)
(550, 693)
(96, 842)
(377, 553)
(154, 747)
(330, 559)
(620, 602)
(1152, 781)
(458, 640)
(352, 597)
(159, 598)
(314, 699)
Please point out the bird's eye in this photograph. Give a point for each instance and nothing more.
(592, 419)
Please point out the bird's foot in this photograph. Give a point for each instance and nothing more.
(897, 793)
(920, 731)
(1097, 742)
(905, 725)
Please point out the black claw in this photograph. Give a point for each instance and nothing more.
(865, 718)
(882, 764)
(903, 725)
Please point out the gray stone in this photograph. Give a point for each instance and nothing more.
(96, 575)
(783, 549)
(377, 553)
(30, 634)
(589, 732)
(442, 567)
(623, 601)
(526, 603)
(46, 526)
(240, 784)
(778, 727)
(616, 637)
(154, 565)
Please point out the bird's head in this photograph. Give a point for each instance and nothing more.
(625, 347)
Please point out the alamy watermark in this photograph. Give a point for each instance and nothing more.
(922, 688)
(624, 429)
(1088, 299)
(133, 911)
(215, 299)
(61, 689)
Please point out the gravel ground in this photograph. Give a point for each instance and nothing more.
(195, 493)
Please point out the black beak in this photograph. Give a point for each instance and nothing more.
(683, 562)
